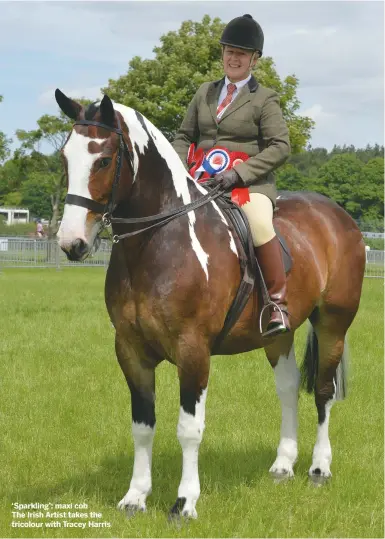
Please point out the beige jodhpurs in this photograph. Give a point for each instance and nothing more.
(259, 212)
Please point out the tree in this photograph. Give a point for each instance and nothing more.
(36, 194)
(356, 186)
(289, 178)
(4, 142)
(371, 191)
(162, 88)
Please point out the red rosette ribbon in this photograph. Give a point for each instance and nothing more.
(240, 195)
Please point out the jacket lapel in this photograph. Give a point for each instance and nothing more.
(242, 98)
(213, 96)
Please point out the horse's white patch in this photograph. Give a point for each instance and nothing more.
(190, 433)
(287, 379)
(80, 162)
(322, 452)
(140, 486)
(204, 191)
(179, 174)
(139, 136)
(232, 242)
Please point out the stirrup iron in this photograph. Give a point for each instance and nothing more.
(280, 329)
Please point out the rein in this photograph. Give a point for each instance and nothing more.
(107, 209)
(165, 217)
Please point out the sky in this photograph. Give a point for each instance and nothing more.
(335, 49)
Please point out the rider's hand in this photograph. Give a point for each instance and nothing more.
(228, 179)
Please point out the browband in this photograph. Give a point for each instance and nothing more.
(98, 124)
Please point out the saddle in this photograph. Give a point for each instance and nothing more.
(203, 167)
(238, 222)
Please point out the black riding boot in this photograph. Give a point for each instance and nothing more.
(270, 261)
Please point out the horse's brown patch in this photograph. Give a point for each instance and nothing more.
(95, 147)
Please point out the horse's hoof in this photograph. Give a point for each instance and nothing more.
(175, 519)
(319, 475)
(318, 480)
(281, 476)
(281, 470)
(180, 512)
(131, 509)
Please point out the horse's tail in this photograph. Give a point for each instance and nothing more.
(309, 367)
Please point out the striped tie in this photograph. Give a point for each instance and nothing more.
(227, 100)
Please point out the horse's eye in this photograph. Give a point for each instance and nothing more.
(105, 162)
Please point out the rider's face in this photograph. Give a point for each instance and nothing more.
(238, 63)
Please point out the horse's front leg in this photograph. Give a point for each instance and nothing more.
(193, 373)
(140, 375)
(287, 379)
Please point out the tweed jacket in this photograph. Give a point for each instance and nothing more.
(252, 123)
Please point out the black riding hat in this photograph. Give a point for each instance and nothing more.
(244, 33)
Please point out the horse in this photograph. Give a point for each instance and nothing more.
(168, 288)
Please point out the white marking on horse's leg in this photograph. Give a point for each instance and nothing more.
(287, 378)
(190, 433)
(322, 452)
(140, 486)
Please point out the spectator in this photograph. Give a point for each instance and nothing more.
(39, 229)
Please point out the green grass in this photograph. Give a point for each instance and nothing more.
(65, 425)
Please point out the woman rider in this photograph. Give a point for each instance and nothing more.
(239, 114)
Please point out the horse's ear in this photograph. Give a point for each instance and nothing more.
(67, 105)
(107, 111)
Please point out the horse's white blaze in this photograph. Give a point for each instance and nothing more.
(139, 136)
(287, 379)
(322, 452)
(140, 486)
(190, 433)
(80, 162)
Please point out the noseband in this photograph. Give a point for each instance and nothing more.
(105, 209)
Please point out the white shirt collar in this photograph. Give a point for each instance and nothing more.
(238, 84)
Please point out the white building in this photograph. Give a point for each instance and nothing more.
(14, 215)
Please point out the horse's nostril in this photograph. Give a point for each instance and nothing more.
(79, 246)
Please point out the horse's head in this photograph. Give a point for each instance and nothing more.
(93, 155)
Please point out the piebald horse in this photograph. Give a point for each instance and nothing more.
(169, 288)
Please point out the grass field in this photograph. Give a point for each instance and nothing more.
(65, 426)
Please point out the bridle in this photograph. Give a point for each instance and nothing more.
(106, 210)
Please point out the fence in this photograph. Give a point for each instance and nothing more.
(40, 253)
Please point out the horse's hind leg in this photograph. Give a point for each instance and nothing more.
(139, 370)
(281, 356)
(193, 371)
(328, 344)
